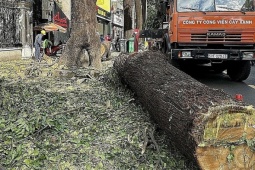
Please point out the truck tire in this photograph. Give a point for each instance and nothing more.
(218, 68)
(239, 70)
(176, 64)
(164, 46)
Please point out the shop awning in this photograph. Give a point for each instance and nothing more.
(50, 27)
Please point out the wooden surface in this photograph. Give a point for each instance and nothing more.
(207, 125)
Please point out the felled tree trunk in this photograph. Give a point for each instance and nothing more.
(205, 124)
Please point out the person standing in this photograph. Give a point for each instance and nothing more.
(117, 43)
(108, 37)
(38, 45)
(101, 38)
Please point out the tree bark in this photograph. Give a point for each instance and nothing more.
(83, 36)
(144, 10)
(127, 5)
(205, 124)
(139, 14)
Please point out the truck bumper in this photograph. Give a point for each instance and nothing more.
(213, 54)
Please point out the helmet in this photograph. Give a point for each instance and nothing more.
(43, 32)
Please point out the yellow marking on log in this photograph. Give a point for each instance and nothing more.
(228, 135)
(245, 125)
(218, 128)
(230, 126)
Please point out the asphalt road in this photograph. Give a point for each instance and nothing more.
(222, 81)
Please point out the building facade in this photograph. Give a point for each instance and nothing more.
(19, 17)
(103, 8)
(53, 11)
(15, 28)
(117, 19)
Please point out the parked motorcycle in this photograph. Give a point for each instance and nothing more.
(54, 51)
(115, 46)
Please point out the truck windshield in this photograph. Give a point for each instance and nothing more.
(215, 5)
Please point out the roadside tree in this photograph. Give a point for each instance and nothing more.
(83, 37)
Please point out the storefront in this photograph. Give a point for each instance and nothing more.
(53, 19)
(104, 17)
(117, 25)
(117, 20)
(60, 18)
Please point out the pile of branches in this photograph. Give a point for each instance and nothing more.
(55, 123)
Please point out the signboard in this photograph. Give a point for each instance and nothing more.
(101, 12)
(59, 17)
(104, 9)
(212, 22)
(118, 20)
(104, 5)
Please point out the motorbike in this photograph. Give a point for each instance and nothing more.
(54, 51)
(115, 46)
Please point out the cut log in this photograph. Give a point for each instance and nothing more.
(207, 125)
(105, 49)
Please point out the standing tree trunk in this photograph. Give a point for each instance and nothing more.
(205, 124)
(139, 16)
(127, 5)
(83, 36)
(144, 11)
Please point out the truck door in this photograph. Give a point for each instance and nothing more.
(172, 21)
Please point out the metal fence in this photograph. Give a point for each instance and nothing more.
(10, 24)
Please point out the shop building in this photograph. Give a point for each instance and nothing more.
(15, 29)
(53, 11)
(103, 17)
(117, 19)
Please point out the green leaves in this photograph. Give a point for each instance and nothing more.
(95, 125)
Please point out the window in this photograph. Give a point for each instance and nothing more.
(215, 5)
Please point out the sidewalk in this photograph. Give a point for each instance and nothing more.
(10, 54)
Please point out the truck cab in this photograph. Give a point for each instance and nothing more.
(216, 32)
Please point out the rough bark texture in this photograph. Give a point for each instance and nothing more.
(139, 14)
(205, 124)
(144, 10)
(83, 36)
(127, 4)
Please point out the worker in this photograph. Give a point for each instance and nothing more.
(38, 45)
(108, 37)
(117, 43)
(102, 38)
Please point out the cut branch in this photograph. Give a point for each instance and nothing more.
(145, 143)
(67, 111)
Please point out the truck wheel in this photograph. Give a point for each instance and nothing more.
(239, 70)
(175, 63)
(164, 47)
(219, 68)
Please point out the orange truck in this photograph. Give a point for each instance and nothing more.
(220, 33)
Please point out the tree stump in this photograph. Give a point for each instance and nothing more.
(105, 49)
(205, 124)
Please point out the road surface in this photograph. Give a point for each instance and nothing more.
(222, 81)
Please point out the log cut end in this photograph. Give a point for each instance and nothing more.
(228, 141)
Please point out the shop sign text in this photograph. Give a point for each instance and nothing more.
(207, 22)
(60, 21)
